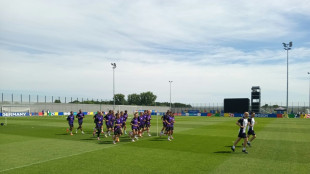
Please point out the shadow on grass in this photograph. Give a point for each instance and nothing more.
(230, 146)
(63, 134)
(223, 151)
(104, 142)
(157, 139)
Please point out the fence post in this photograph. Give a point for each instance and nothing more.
(37, 98)
(12, 98)
(29, 98)
(21, 98)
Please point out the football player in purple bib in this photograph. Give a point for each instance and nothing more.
(70, 120)
(99, 123)
(80, 117)
(141, 124)
(108, 123)
(117, 128)
(135, 127)
(148, 119)
(125, 117)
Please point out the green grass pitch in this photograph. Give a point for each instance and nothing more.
(200, 145)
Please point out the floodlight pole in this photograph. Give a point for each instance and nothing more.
(309, 89)
(287, 47)
(113, 66)
(170, 95)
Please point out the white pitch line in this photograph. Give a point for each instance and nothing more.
(27, 165)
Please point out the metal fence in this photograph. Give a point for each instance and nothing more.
(266, 108)
(14, 98)
(43, 100)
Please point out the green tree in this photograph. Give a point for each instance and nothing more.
(134, 99)
(57, 101)
(147, 98)
(120, 99)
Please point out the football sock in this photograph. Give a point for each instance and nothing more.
(243, 148)
(234, 146)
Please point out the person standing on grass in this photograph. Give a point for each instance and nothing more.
(242, 123)
(117, 128)
(124, 121)
(80, 117)
(70, 120)
(251, 121)
(99, 123)
(135, 127)
(148, 119)
(169, 127)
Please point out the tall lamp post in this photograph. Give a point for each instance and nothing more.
(170, 94)
(287, 47)
(309, 89)
(113, 66)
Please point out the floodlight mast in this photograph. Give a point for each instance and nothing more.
(113, 66)
(287, 47)
(309, 89)
(170, 95)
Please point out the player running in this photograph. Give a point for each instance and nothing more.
(148, 119)
(80, 117)
(125, 116)
(251, 128)
(172, 125)
(108, 123)
(242, 123)
(99, 123)
(141, 124)
(117, 129)
(135, 127)
(95, 128)
(164, 118)
(70, 120)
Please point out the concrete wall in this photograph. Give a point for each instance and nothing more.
(61, 107)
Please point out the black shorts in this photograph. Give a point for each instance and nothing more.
(117, 131)
(242, 135)
(70, 125)
(169, 128)
(124, 124)
(141, 126)
(164, 124)
(80, 123)
(251, 132)
(148, 125)
(109, 126)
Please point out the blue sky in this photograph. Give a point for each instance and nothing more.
(211, 50)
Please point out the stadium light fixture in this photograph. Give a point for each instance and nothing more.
(287, 47)
(113, 66)
(170, 95)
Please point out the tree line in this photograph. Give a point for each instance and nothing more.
(142, 99)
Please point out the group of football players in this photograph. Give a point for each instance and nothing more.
(116, 124)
